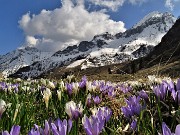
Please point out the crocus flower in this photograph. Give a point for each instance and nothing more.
(74, 111)
(15, 130)
(134, 124)
(2, 107)
(90, 87)
(111, 92)
(176, 92)
(61, 85)
(167, 131)
(104, 112)
(125, 88)
(82, 84)
(75, 87)
(59, 93)
(51, 85)
(61, 127)
(144, 95)
(46, 95)
(133, 107)
(69, 88)
(160, 91)
(46, 130)
(93, 125)
(96, 100)
(88, 100)
(35, 130)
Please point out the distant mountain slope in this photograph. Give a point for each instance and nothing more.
(104, 49)
(22, 57)
(165, 58)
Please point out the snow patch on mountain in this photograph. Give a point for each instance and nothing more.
(76, 63)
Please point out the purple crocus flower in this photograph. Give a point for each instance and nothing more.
(82, 84)
(176, 92)
(127, 112)
(134, 124)
(88, 100)
(46, 130)
(61, 127)
(104, 112)
(160, 91)
(133, 107)
(93, 125)
(69, 88)
(35, 130)
(178, 84)
(111, 92)
(144, 95)
(167, 131)
(74, 111)
(15, 130)
(125, 88)
(96, 100)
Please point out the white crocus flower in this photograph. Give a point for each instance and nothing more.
(90, 87)
(43, 81)
(46, 96)
(75, 87)
(69, 107)
(59, 93)
(18, 79)
(70, 77)
(16, 112)
(51, 85)
(2, 107)
(94, 111)
(61, 85)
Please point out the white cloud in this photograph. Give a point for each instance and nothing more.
(111, 4)
(134, 2)
(69, 24)
(31, 40)
(171, 3)
(115, 4)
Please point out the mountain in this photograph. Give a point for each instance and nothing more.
(104, 49)
(22, 57)
(163, 60)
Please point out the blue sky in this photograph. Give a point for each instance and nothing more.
(34, 29)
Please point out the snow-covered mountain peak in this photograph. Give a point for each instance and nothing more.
(155, 17)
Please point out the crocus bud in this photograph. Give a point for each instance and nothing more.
(59, 93)
(46, 95)
(51, 85)
(2, 107)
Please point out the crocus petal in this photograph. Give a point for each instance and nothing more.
(64, 127)
(178, 84)
(54, 129)
(47, 129)
(69, 125)
(165, 129)
(177, 131)
(5, 133)
(15, 130)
